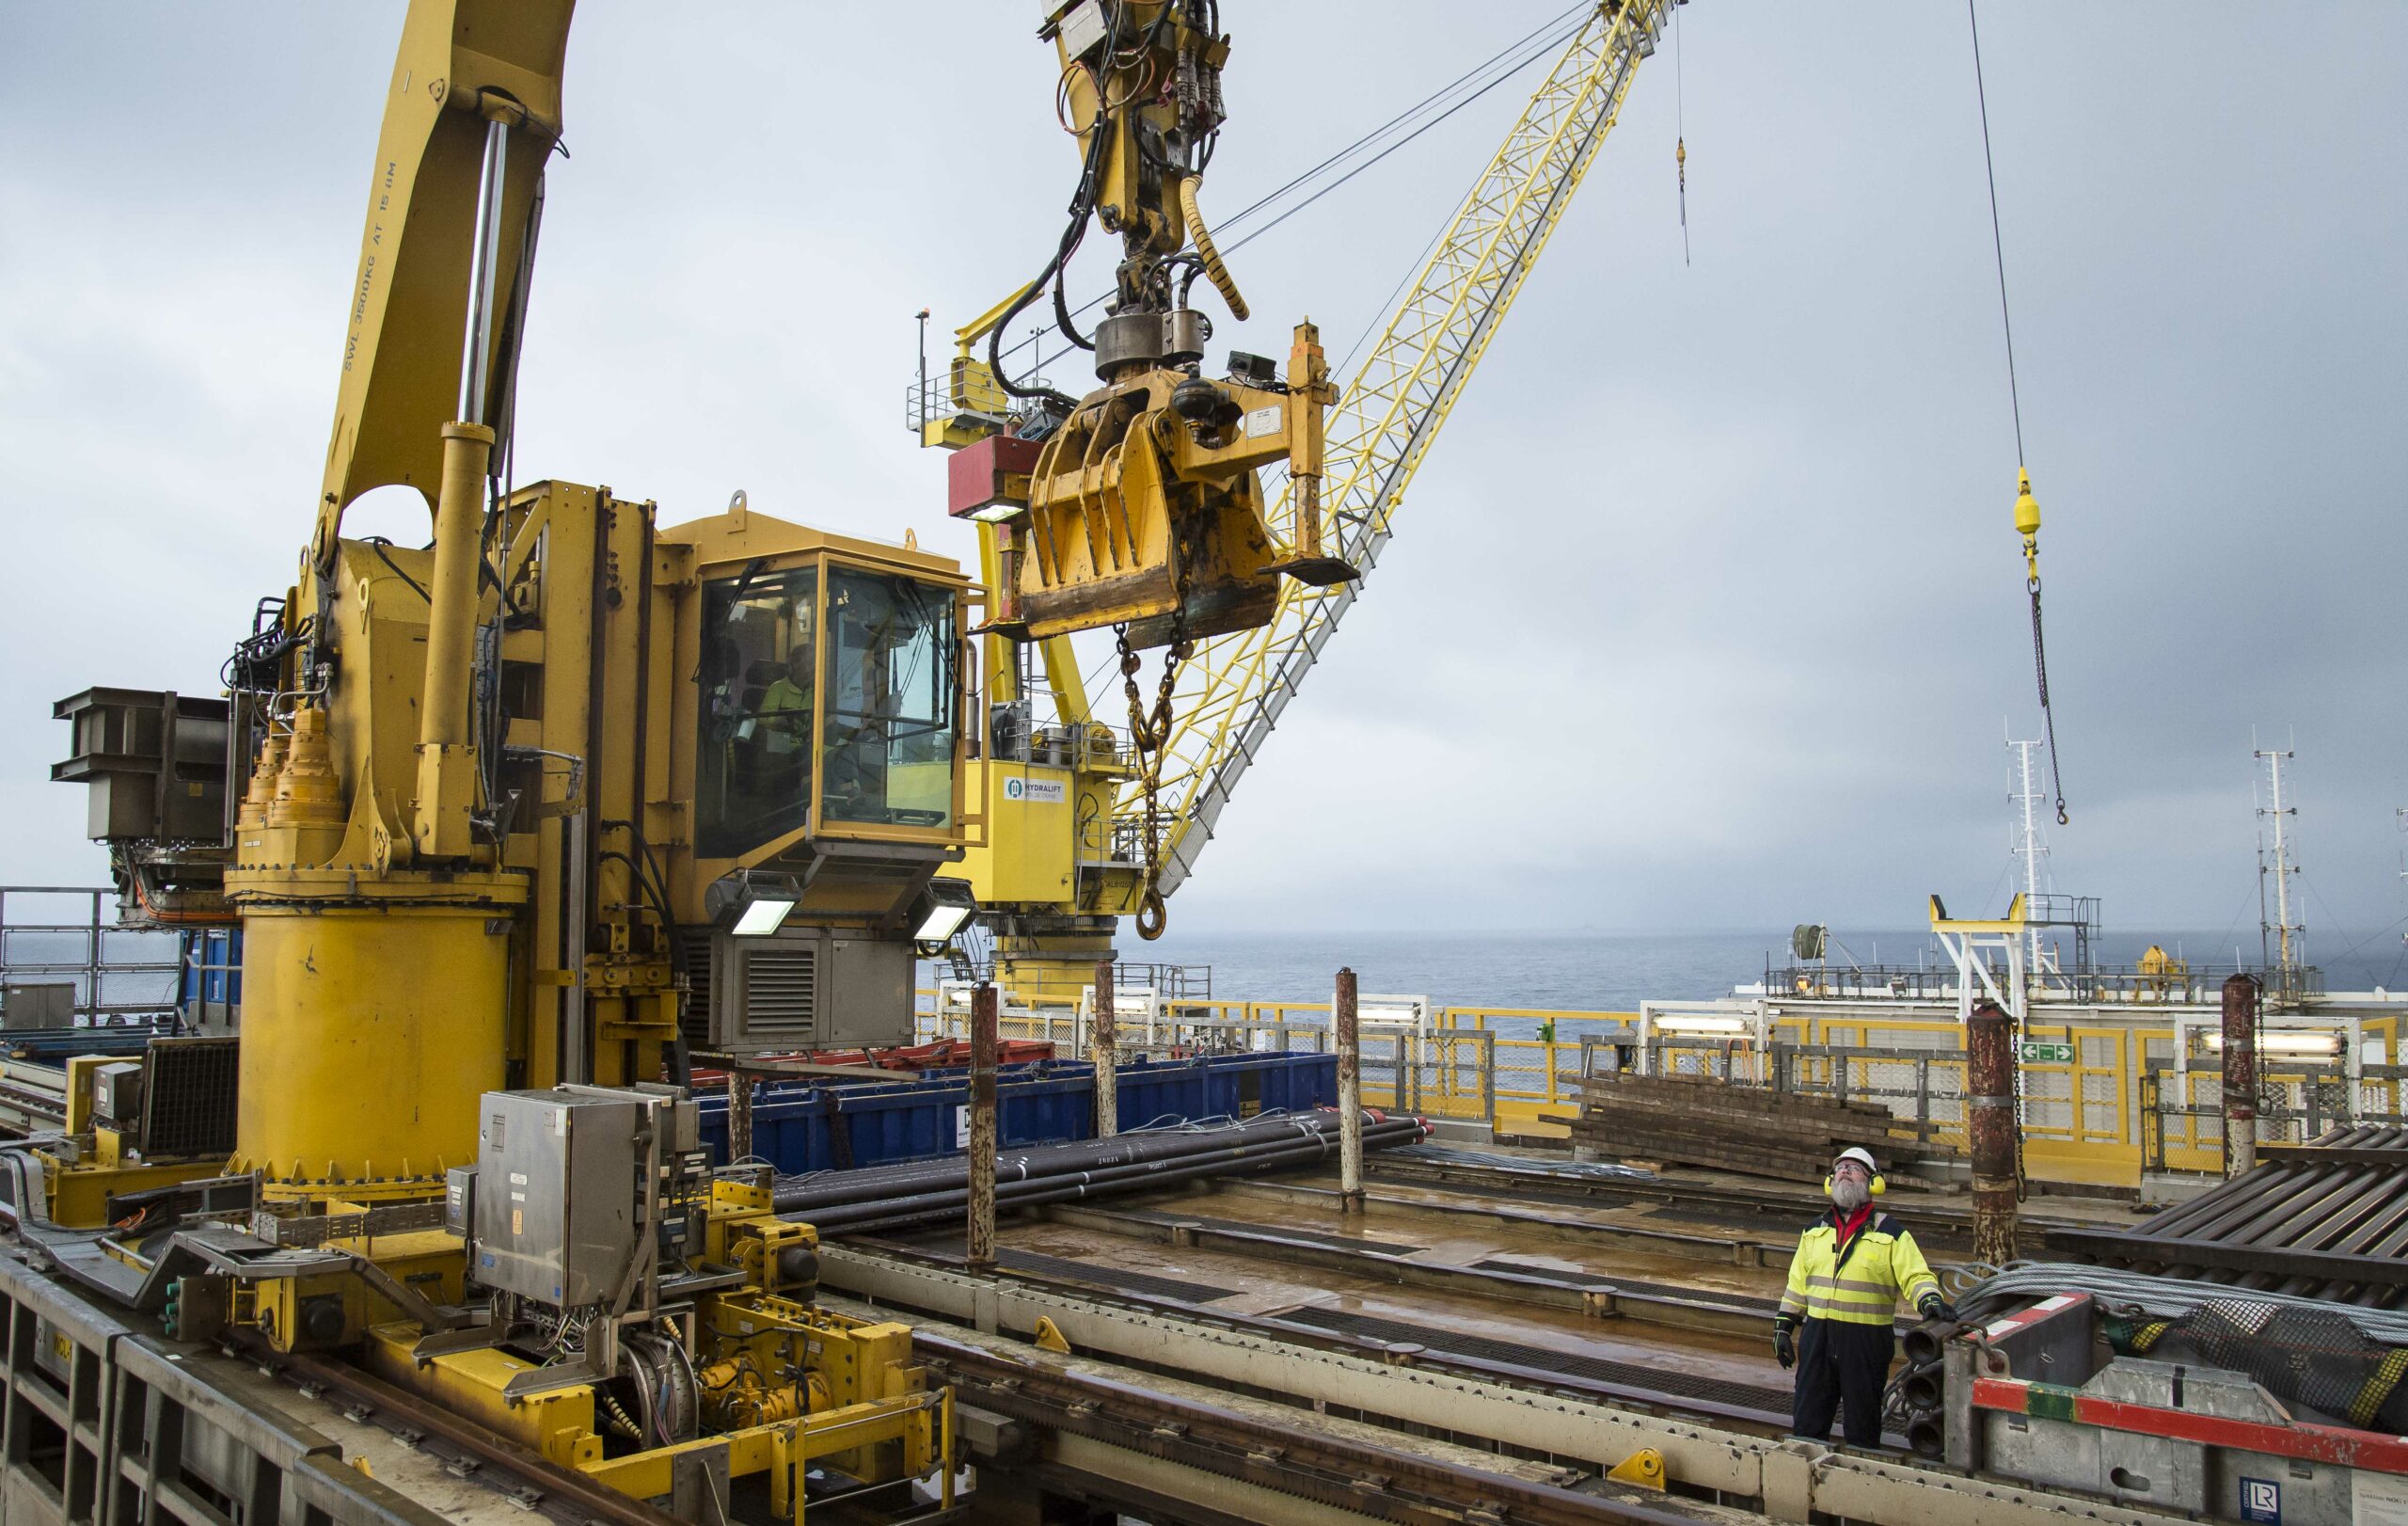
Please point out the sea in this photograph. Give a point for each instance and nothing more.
(1616, 971)
(1555, 972)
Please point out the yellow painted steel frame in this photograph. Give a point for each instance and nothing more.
(599, 638)
(1133, 515)
(877, 1418)
(338, 916)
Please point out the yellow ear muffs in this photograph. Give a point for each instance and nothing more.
(1880, 1186)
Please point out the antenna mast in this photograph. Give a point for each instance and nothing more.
(2289, 937)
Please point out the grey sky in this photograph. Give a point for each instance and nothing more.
(1706, 610)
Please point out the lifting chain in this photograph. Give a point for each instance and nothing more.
(1149, 733)
(2040, 667)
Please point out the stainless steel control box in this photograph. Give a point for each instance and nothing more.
(555, 1201)
(460, 1202)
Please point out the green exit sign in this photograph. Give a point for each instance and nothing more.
(2047, 1054)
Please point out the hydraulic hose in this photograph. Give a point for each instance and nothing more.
(1082, 204)
(2165, 1297)
(1222, 280)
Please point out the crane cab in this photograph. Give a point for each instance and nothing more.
(821, 757)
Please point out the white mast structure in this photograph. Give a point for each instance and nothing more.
(2030, 845)
(2291, 937)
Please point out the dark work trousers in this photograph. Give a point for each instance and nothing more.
(1838, 1363)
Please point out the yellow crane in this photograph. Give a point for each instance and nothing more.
(1086, 827)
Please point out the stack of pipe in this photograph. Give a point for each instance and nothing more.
(886, 1197)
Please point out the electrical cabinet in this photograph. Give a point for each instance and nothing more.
(555, 1200)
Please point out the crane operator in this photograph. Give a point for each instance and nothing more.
(1851, 1269)
(786, 706)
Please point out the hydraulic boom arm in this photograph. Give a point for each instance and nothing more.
(473, 77)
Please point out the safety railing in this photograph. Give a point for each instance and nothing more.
(1092, 746)
(2177, 983)
(2100, 1097)
(65, 960)
(2183, 1108)
(941, 397)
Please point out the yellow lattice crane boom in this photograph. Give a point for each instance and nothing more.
(1236, 685)
(1068, 810)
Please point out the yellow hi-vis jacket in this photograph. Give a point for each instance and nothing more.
(1862, 1283)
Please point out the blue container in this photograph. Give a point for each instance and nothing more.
(801, 1126)
(213, 976)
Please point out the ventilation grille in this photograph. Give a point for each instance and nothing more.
(782, 996)
(188, 1102)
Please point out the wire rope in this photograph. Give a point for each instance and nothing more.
(2015, 403)
(1681, 133)
(1515, 59)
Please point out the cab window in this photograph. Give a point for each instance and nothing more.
(888, 730)
(758, 709)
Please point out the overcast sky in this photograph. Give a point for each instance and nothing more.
(1706, 610)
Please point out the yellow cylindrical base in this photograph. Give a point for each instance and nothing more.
(1053, 978)
(368, 1036)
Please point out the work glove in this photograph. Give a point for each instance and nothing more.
(1784, 1342)
(1936, 1307)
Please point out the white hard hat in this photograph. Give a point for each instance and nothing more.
(1860, 1154)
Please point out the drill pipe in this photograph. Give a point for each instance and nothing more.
(901, 1179)
(1260, 1155)
(937, 1189)
(947, 1209)
(1283, 1150)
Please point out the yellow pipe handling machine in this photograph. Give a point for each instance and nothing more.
(515, 826)
(1136, 507)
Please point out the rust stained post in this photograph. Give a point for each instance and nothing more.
(1106, 1044)
(1990, 1088)
(2239, 1074)
(1350, 1095)
(979, 1247)
(739, 1114)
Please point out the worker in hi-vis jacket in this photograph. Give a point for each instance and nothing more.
(1852, 1268)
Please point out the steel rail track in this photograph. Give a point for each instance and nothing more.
(1373, 1480)
(1430, 1356)
(545, 1478)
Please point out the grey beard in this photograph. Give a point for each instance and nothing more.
(1850, 1196)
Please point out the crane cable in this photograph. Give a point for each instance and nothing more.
(1680, 134)
(2027, 508)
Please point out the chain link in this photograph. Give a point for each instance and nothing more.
(1150, 733)
(2048, 717)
